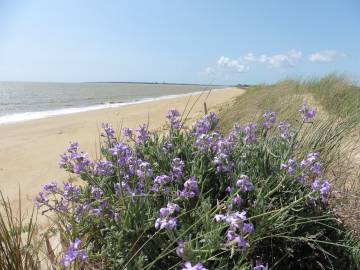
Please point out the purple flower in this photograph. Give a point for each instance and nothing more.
(169, 210)
(142, 134)
(237, 200)
(125, 186)
(96, 192)
(270, 119)
(96, 211)
(207, 123)
(248, 228)
(41, 199)
(64, 161)
(169, 223)
(325, 191)
(80, 211)
(308, 113)
(174, 117)
(235, 133)
(241, 242)
(173, 207)
(167, 147)
(234, 219)
(104, 167)
(191, 189)
(189, 266)
(228, 189)
(165, 221)
(250, 133)
(51, 187)
(316, 185)
(233, 238)
(260, 266)
(316, 169)
(162, 180)
(73, 147)
(180, 249)
(144, 170)
(159, 182)
(128, 132)
(222, 163)
(284, 127)
(290, 166)
(71, 192)
(109, 131)
(244, 184)
(311, 158)
(74, 252)
(323, 187)
(81, 162)
(62, 206)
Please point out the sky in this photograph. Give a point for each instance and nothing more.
(184, 41)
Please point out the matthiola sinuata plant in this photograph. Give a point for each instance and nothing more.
(196, 199)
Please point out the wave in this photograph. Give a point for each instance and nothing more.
(27, 116)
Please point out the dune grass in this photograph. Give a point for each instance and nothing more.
(19, 250)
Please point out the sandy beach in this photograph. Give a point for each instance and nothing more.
(29, 151)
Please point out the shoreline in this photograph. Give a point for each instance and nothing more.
(30, 150)
(35, 115)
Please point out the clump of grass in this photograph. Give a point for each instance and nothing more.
(19, 249)
(198, 198)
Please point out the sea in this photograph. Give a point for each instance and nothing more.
(23, 101)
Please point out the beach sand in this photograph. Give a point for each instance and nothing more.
(29, 151)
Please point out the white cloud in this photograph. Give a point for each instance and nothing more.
(288, 59)
(325, 56)
(232, 64)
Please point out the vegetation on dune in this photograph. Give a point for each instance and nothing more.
(260, 194)
(18, 242)
(336, 133)
(197, 199)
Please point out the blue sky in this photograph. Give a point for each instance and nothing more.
(178, 41)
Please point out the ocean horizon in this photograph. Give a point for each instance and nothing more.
(24, 101)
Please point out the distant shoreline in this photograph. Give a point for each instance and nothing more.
(166, 83)
(125, 82)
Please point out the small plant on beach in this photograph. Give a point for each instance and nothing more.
(19, 248)
(194, 198)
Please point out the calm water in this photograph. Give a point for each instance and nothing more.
(26, 101)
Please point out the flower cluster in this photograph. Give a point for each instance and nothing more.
(250, 133)
(177, 168)
(270, 119)
(284, 128)
(166, 221)
(308, 113)
(74, 252)
(109, 131)
(237, 228)
(191, 189)
(310, 170)
(174, 117)
(74, 161)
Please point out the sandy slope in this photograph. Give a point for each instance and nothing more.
(29, 151)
